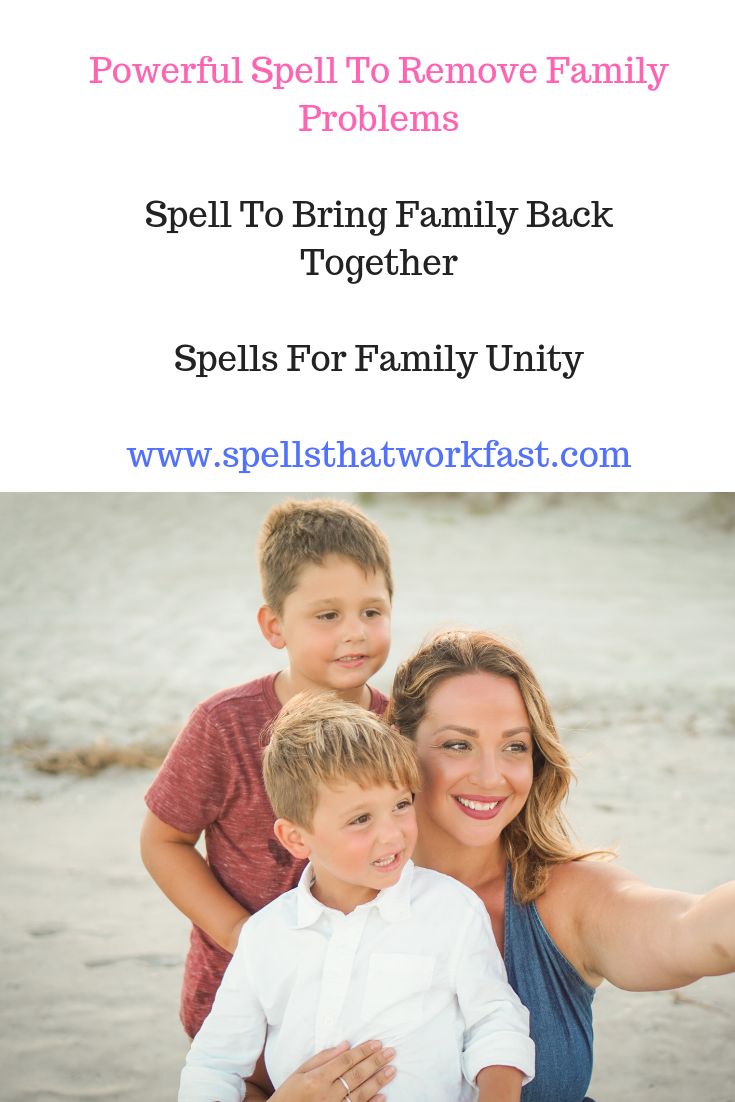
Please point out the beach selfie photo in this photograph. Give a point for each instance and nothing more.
(491, 853)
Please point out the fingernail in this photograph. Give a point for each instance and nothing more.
(390, 1072)
(389, 1053)
(375, 1045)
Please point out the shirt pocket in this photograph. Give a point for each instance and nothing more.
(395, 986)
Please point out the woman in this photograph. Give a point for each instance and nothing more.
(495, 776)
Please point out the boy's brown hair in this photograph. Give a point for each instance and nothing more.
(317, 738)
(295, 533)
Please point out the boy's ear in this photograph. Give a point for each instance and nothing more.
(292, 838)
(270, 625)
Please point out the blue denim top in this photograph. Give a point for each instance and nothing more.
(559, 1001)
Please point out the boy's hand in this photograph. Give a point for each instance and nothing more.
(500, 1084)
(185, 877)
(363, 1069)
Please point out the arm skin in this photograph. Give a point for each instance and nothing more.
(499, 1084)
(645, 939)
(258, 1085)
(185, 877)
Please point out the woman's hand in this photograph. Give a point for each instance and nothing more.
(363, 1068)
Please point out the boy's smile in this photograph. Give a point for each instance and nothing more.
(335, 626)
(359, 841)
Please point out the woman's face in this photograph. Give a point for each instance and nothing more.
(475, 749)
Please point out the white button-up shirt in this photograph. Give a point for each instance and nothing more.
(416, 968)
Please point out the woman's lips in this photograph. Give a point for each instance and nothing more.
(477, 807)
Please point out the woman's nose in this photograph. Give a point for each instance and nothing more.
(485, 772)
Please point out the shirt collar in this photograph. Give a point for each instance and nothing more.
(394, 903)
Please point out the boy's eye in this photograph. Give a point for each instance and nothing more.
(327, 616)
(403, 804)
(361, 820)
(370, 612)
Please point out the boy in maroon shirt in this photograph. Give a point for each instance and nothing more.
(325, 571)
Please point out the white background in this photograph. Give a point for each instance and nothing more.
(98, 302)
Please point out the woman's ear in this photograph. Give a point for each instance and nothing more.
(269, 623)
(292, 838)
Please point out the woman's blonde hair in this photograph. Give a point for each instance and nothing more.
(538, 837)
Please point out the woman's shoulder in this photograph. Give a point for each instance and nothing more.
(587, 874)
(574, 893)
(575, 887)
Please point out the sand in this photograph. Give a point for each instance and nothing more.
(119, 612)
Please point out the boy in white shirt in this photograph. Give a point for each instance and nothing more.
(367, 945)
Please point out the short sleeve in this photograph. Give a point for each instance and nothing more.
(192, 785)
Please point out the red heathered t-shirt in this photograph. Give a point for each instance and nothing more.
(211, 780)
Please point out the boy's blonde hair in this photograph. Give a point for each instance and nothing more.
(295, 533)
(319, 739)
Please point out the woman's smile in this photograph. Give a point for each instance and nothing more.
(478, 807)
(476, 753)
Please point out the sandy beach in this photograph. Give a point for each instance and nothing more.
(118, 613)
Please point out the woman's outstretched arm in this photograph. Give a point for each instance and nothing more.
(647, 939)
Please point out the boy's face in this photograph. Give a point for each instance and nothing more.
(359, 841)
(336, 627)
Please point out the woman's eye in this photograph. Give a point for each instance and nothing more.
(518, 748)
(457, 745)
